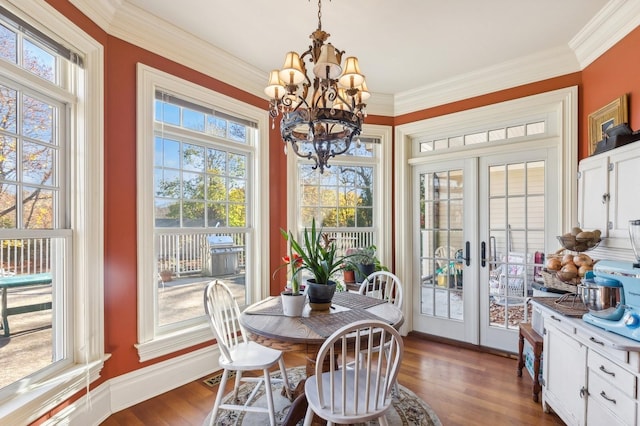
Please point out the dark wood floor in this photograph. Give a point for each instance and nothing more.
(463, 386)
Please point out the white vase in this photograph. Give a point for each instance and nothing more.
(292, 306)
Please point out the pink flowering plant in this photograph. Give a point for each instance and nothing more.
(294, 261)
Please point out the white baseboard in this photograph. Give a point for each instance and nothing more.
(140, 385)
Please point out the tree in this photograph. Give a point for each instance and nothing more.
(212, 184)
(30, 143)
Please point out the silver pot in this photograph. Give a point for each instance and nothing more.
(603, 297)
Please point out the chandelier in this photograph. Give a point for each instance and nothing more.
(320, 117)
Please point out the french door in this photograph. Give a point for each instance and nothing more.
(445, 242)
(479, 232)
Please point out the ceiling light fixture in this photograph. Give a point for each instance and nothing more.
(321, 124)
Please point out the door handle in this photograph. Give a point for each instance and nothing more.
(467, 247)
(483, 254)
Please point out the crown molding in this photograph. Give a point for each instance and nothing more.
(144, 30)
(617, 19)
(121, 19)
(540, 66)
(101, 12)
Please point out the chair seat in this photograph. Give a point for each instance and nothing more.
(251, 356)
(350, 412)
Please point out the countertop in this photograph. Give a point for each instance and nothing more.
(608, 338)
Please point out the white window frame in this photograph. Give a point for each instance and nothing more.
(382, 209)
(44, 391)
(151, 342)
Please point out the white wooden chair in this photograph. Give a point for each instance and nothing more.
(239, 354)
(383, 285)
(509, 281)
(350, 395)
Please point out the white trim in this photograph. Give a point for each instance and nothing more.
(151, 344)
(564, 102)
(86, 212)
(382, 164)
(617, 19)
(121, 19)
(129, 389)
(132, 24)
(528, 69)
(384, 178)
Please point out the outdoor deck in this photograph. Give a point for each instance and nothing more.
(28, 348)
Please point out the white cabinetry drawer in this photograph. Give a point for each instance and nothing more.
(599, 415)
(598, 343)
(604, 394)
(611, 373)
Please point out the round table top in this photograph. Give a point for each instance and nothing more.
(265, 320)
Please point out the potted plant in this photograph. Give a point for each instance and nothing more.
(366, 262)
(292, 300)
(349, 273)
(320, 257)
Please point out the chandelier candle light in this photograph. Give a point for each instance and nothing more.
(319, 123)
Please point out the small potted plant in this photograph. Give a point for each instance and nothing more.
(349, 272)
(292, 300)
(366, 262)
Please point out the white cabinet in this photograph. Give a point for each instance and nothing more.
(564, 375)
(590, 378)
(607, 192)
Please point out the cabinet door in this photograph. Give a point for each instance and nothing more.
(593, 194)
(565, 370)
(624, 181)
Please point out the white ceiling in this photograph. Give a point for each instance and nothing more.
(402, 45)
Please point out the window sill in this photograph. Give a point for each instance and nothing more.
(33, 400)
(170, 343)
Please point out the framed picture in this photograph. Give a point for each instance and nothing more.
(608, 116)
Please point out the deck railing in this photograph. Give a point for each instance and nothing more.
(186, 253)
(25, 256)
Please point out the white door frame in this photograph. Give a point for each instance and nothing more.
(560, 107)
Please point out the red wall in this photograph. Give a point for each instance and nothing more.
(604, 80)
(613, 74)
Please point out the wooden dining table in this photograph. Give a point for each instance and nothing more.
(266, 324)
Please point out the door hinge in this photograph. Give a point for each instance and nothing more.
(542, 382)
(579, 175)
(610, 167)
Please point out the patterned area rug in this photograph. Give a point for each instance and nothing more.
(407, 408)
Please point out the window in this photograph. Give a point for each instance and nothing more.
(50, 233)
(347, 199)
(198, 170)
(492, 135)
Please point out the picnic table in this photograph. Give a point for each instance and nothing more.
(18, 281)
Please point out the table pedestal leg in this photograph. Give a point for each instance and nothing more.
(299, 406)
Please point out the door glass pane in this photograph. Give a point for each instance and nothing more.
(441, 221)
(516, 220)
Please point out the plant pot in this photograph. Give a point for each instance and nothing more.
(320, 294)
(292, 306)
(364, 271)
(166, 275)
(349, 277)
